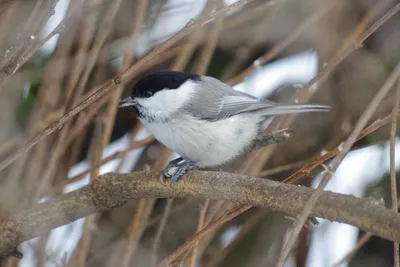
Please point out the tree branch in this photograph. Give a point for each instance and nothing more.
(113, 190)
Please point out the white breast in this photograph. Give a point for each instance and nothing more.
(206, 143)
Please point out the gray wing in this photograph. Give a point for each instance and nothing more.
(218, 100)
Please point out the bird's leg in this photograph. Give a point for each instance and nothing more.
(172, 164)
(182, 169)
(271, 138)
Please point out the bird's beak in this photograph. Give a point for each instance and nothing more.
(127, 102)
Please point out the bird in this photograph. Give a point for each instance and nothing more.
(205, 121)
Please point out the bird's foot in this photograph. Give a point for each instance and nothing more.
(182, 169)
(172, 164)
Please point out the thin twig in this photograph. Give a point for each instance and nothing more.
(105, 29)
(26, 42)
(281, 46)
(10, 144)
(5, 23)
(128, 59)
(306, 170)
(132, 136)
(84, 119)
(284, 168)
(10, 70)
(345, 52)
(250, 14)
(32, 15)
(189, 47)
(215, 224)
(205, 55)
(160, 231)
(218, 209)
(245, 229)
(186, 52)
(200, 226)
(90, 222)
(364, 22)
(177, 208)
(365, 117)
(141, 217)
(361, 242)
(393, 180)
(80, 61)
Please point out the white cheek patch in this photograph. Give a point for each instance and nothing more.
(168, 101)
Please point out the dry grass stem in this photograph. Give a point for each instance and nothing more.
(361, 242)
(393, 179)
(215, 224)
(160, 231)
(306, 170)
(276, 50)
(365, 117)
(200, 226)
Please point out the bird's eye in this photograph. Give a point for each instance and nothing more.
(148, 93)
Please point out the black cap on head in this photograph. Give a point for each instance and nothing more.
(158, 80)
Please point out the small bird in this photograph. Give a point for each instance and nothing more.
(204, 120)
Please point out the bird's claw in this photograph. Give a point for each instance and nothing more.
(163, 175)
(181, 170)
(172, 164)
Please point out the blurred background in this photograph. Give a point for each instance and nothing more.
(55, 53)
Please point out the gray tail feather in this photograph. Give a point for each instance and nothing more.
(281, 109)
